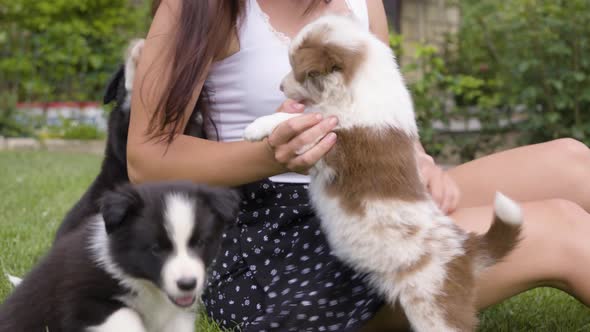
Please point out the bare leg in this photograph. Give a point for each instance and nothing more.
(556, 169)
(555, 252)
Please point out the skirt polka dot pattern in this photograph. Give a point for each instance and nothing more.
(275, 271)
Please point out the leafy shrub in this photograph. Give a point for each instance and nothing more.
(536, 52)
(440, 96)
(13, 124)
(54, 50)
(516, 57)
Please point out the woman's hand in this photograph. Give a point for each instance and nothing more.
(300, 142)
(441, 186)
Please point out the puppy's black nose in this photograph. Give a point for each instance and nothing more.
(186, 284)
(281, 87)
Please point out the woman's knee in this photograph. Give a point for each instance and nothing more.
(569, 234)
(569, 150)
(572, 167)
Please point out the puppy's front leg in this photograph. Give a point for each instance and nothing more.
(264, 126)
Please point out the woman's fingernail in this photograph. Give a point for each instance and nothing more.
(331, 137)
(318, 116)
(333, 121)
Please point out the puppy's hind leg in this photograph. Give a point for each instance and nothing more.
(123, 319)
(439, 311)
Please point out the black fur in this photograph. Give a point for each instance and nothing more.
(113, 171)
(67, 292)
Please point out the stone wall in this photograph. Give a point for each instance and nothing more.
(429, 20)
(424, 21)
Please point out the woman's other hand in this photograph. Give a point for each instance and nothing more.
(441, 186)
(300, 142)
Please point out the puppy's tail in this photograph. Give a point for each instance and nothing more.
(504, 234)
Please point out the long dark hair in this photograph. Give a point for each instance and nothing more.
(203, 32)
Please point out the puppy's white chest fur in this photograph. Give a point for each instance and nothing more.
(148, 311)
(158, 313)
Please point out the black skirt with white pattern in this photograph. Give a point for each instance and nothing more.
(275, 271)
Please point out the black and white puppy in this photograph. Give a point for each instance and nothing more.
(113, 170)
(139, 265)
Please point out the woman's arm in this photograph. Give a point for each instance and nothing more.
(197, 159)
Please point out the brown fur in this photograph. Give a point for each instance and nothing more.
(315, 58)
(373, 164)
(500, 240)
(458, 292)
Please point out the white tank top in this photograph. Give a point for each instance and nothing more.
(246, 84)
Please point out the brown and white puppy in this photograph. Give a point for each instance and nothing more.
(375, 211)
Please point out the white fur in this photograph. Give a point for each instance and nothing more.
(507, 210)
(132, 59)
(122, 320)
(158, 313)
(14, 281)
(265, 125)
(180, 218)
(373, 243)
(133, 54)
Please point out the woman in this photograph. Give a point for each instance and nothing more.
(275, 270)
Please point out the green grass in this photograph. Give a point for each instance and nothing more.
(37, 189)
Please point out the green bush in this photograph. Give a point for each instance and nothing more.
(13, 124)
(440, 96)
(536, 53)
(525, 56)
(52, 50)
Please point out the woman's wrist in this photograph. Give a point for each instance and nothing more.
(274, 166)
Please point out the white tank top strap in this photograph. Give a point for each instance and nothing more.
(360, 10)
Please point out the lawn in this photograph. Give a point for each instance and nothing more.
(37, 189)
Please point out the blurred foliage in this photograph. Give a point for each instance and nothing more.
(11, 121)
(441, 95)
(65, 49)
(536, 52)
(525, 55)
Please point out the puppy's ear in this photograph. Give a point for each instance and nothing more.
(222, 201)
(118, 205)
(113, 86)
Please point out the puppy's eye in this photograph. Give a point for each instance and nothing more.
(335, 68)
(157, 249)
(313, 74)
(196, 242)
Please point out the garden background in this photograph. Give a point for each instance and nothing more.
(512, 72)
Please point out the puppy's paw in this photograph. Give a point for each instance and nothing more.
(264, 126)
(258, 130)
